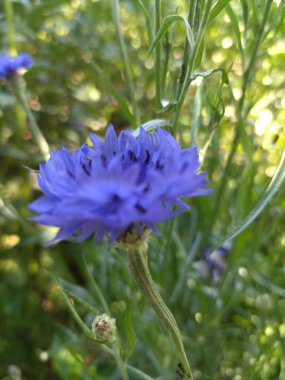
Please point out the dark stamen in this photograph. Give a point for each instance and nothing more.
(84, 168)
(147, 157)
(140, 208)
(132, 156)
(159, 165)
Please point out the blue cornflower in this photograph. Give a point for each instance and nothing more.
(213, 264)
(10, 64)
(121, 183)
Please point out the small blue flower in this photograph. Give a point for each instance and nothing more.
(213, 265)
(120, 183)
(10, 64)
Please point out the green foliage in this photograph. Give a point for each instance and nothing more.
(232, 108)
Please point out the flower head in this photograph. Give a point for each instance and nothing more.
(213, 264)
(104, 328)
(116, 185)
(10, 64)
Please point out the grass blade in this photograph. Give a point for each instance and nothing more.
(270, 191)
(130, 333)
(152, 124)
(121, 101)
(235, 28)
(219, 6)
(74, 313)
(167, 23)
(205, 74)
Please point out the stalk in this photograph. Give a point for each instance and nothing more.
(187, 80)
(157, 53)
(241, 116)
(10, 26)
(17, 86)
(123, 50)
(191, 14)
(140, 271)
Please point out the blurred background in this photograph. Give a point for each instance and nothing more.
(231, 306)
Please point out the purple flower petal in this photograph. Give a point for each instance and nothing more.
(121, 182)
(10, 64)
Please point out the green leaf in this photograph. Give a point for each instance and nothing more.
(147, 17)
(167, 108)
(270, 191)
(200, 52)
(235, 27)
(130, 333)
(80, 300)
(122, 103)
(205, 74)
(74, 313)
(167, 22)
(139, 374)
(219, 6)
(196, 116)
(152, 124)
(95, 287)
(278, 21)
(216, 104)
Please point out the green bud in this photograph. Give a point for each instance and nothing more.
(104, 328)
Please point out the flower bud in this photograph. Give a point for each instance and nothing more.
(104, 328)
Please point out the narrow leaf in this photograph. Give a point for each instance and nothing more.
(219, 6)
(152, 124)
(270, 191)
(130, 332)
(205, 74)
(167, 108)
(167, 22)
(121, 101)
(74, 313)
(80, 300)
(139, 374)
(147, 17)
(235, 27)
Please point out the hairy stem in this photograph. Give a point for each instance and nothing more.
(140, 271)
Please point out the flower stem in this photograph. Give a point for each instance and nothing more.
(11, 40)
(120, 363)
(187, 77)
(123, 49)
(241, 111)
(191, 14)
(157, 55)
(114, 351)
(140, 271)
(17, 86)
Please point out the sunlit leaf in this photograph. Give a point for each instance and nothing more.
(121, 101)
(270, 191)
(217, 9)
(72, 309)
(130, 332)
(152, 124)
(166, 24)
